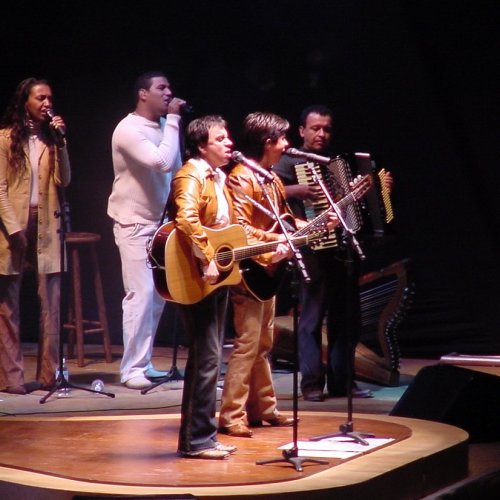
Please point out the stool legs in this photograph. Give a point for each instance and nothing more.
(78, 326)
(77, 304)
(101, 306)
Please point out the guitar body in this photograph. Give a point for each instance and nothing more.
(262, 283)
(156, 257)
(181, 279)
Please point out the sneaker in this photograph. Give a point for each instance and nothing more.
(225, 447)
(152, 373)
(210, 454)
(138, 382)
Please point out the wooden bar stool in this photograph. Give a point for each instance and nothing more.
(77, 325)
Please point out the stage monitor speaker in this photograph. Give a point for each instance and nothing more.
(464, 398)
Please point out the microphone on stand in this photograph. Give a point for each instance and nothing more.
(59, 131)
(252, 165)
(308, 156)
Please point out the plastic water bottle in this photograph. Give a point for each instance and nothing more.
(97, 385)
(63, 392)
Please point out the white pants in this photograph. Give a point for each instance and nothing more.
(142, 306)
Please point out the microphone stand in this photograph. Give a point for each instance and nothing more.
(64, 227)
(173, 374)
(346, 429)
(291, 455)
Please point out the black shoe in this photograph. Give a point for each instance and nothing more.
(314, 395)
(17, 389)
(356, 393)
(32, 386)
(361, 393)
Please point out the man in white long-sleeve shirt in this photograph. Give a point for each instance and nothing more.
(145, 149)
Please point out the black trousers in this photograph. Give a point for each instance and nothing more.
(203, 323)
(332, 294)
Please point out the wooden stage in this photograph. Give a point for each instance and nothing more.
(61, 458)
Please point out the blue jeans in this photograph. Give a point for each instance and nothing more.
(204, 324)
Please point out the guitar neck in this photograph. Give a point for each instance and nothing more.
(322, 218)
(312, 231)
(317, 223)
(261, 248)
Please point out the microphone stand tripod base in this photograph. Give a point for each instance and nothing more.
(346, 430)
(173, 375)
(292, 456)
(62, 383)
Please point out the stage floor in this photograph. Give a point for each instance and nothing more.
(136, 455)
(88, 444)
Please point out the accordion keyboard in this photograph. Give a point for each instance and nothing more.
(320, 204)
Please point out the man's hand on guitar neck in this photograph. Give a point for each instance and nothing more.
(333, 221)
(283, 251)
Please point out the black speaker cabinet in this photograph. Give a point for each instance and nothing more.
(464, 398)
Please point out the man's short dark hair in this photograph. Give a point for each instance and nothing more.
(197, 133)
(144, 81)
(257, 128)
(315, 108)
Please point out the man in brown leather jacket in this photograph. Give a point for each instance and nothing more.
(248, 398)
(198, 200)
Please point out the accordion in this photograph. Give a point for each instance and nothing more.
(371, 214)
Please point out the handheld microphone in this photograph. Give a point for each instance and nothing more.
(187, 108)
(60, 131)
(308, 156)
(252, 165)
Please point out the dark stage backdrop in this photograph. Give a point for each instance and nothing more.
(412, 82)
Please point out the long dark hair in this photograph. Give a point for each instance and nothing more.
(14, 118)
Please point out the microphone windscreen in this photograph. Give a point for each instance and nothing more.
(237, 156)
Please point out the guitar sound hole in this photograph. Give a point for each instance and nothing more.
(224, 257)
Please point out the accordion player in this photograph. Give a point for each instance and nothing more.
(380, 305)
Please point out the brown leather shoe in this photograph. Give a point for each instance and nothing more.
(237, 430)
(276, 421)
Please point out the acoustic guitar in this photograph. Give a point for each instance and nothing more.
(177, 273)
